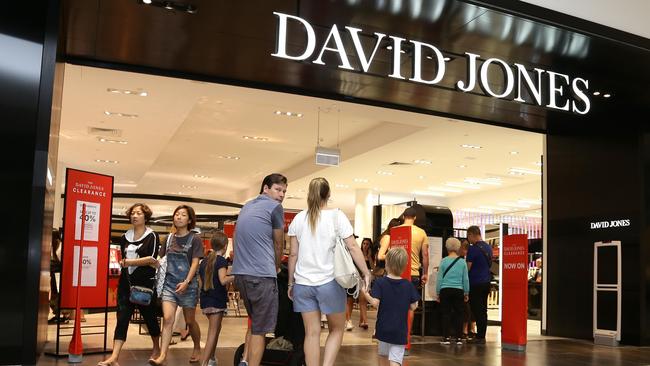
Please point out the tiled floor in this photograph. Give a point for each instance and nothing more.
(358, 349)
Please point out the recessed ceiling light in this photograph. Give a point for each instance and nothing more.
(446, 59)
(107, 161)
(229, 157)
(490, 181)
(111, 141)
(422, 161)
(138, 92)
(383, 172)
(360, 180)
(596, 93)
(516, 173)
(146, 2)
(119, 114)
(462, 166)
(468, 146)
(288, 114)
(421, 177)
(525, 171)
(463, 185)
(607, 95)
(201, 176)
(169, 6)
(255, 138)
(342, 186)
(189, 187)
(514, 153)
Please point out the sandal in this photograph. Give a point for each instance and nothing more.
(195, 359)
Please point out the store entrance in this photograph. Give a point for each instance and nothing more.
(192, 141)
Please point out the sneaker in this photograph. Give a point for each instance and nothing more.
(459, 342)
(212, 362)
(348, 325)
(445, 341)
(243, 363)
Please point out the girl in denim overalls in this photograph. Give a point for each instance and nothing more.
(183, 251)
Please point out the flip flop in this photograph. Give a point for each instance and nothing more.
(195, 359)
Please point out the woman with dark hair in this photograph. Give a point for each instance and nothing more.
(139, 247)
(312, 287)
(183, 250)
(384, 242)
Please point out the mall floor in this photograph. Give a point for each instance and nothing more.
(359, 349)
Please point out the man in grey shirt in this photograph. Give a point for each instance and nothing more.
(258, 243)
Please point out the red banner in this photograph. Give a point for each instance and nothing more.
(514, 282)
(400, 237)
(96, 192)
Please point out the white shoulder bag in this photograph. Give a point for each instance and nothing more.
(162, 268)
(345, 272)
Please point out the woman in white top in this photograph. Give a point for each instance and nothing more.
(312, 287)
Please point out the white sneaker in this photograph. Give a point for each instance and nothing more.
(212, 362)
(348, 325)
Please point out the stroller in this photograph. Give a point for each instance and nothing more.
(289, 331)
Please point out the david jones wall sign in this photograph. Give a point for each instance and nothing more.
(545, 88)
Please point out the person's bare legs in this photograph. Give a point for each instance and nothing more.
(383, 361)
(312, 337)
(195, 331)
(256, 347)
(247, 341)
(155, 353)
(169, 313)
(336, 326)
(117, 347)
(348, 308)
(363, 311)
(214, 328)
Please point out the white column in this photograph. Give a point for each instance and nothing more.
(364, 200)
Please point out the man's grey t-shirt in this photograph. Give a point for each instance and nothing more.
(254, 249)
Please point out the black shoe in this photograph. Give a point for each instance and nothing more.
(445, 341)
(476, 341)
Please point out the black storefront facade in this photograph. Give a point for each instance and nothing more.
(542, 71)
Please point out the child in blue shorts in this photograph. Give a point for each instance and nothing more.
(394, 296)
(213, 273)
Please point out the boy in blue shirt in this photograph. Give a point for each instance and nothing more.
(394, 296)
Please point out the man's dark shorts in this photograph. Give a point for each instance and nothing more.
(260, 295)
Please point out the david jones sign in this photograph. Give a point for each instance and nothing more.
(546, 88)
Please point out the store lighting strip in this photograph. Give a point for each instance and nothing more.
(119, 114)
(490, 181)
(107, 161)
(288, 114)
(520, 171)
(111, 141)
(139, 92)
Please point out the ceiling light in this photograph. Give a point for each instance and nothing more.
(421, 177)
(607, 95)
(490, 181)
(201, 176)
(445, 189)
(146, 2)
(342, 186)
(525, 171)
(462, 166)
(538, 163)
(596, 93)
(139, 92)
(169, 6)
(516, 173)
(229, 157)
(389, 47)
(462, 185)
(189, 187)
(468, 146)
(111, 141)
(191, 9)
(383, 172)
(255, 138)
(107, 161)
(428, 193)
(421, 161)
(514, 153)
(360, 180)
(288, 114)
(119, 114)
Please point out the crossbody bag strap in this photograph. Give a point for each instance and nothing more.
(487, 257)
(451, 265)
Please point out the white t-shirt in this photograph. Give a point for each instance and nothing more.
(315, 264)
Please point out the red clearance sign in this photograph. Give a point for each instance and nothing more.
(400, 236)
(514, 281)
(96, 192)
